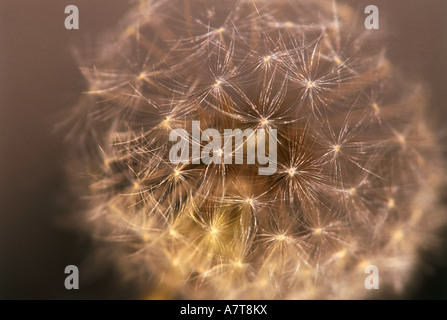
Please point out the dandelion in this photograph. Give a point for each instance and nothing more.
(357, 167)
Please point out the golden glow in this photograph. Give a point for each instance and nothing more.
(281, 237)
(401, 139)
(239, 264)
(341, 254)
(391, 203)
(175, 262)
(363, 264)
(304, 229)
(398, 235)
(173, 233)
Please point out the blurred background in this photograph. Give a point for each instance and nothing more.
(39, 81)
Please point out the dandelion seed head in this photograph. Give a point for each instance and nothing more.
(219, 229)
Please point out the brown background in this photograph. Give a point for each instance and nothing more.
(39, 79)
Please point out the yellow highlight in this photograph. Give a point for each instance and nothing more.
(130, 30)
(173, 233)
(280, 237)
(398, 235)
(363, 264)
(238, 264)
(341, 254)
(391, 203)
(146, 237)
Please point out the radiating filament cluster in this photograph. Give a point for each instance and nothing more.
(348, 187)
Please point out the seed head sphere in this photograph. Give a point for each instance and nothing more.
(357, 168)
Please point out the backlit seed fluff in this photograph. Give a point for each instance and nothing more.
(357, 167)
